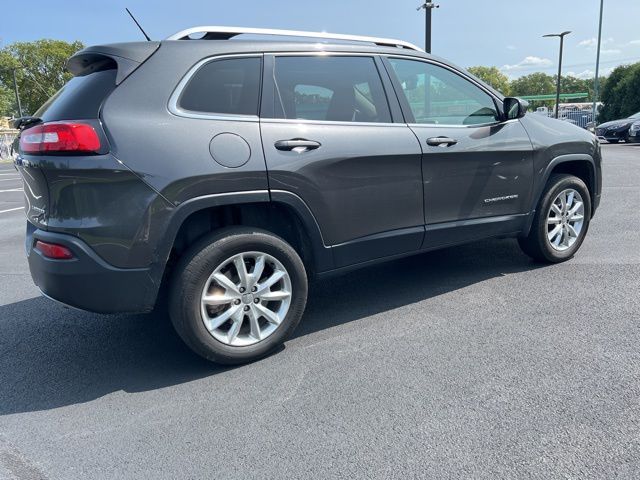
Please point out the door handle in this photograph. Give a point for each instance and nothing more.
(299, 145)
(441, 141)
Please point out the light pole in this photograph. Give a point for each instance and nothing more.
(428, 6)
(561, 35)
(597, 80)
(15, 90)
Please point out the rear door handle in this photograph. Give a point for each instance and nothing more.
(299, 145)
(441, 141)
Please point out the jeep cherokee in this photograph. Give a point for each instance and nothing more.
(229, 171)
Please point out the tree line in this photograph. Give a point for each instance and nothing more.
(40, 71)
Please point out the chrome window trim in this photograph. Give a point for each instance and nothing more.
(303, 121)
(177, 92)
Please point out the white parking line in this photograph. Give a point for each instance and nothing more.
(12, 190)
(11, 210)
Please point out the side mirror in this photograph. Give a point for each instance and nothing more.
(514, 108)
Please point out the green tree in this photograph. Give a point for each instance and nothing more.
(534, 84)
(6, 102)
(40, 70)
(492, 76)
(620, 93)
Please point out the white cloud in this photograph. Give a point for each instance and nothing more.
(589, 74)
(512, 47)
(589, 42)
(610, 51)
(634, 42)
(581, 75)
(529, 62)
(593, 42)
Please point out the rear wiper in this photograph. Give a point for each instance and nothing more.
(24, 122)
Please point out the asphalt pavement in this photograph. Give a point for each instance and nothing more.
(470, 362)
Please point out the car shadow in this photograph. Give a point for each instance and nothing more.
(53, 356)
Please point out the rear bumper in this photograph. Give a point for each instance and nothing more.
(87, 282)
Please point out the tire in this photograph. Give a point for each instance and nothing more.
(537, 244)
(617, 140)
(191, 318)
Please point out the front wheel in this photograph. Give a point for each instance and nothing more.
(237, 295)
(561, 220)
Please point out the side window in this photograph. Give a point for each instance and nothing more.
(342, 89)
(439, 96)
(225, 86)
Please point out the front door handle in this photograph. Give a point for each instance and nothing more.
(441, 141)
(299, 145)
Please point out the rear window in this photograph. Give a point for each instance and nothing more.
(226, 86)
(80, 98)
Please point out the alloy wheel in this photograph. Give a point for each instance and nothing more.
(246, 298)
(565, 219)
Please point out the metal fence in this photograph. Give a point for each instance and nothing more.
(6, 142)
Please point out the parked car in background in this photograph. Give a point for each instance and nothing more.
(617, 130)
(634, 132)
(223, 175)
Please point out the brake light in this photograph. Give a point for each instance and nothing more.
(60, 137)
(53, 250)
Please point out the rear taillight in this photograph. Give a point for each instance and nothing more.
(53, 250)
(60, 137)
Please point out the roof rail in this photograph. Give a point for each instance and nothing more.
(225, 33)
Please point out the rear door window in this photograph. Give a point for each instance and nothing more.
(229, 86)
(330, 88)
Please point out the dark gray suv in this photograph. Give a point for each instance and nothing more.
(227, 172)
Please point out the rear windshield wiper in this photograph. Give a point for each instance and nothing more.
(24, 122)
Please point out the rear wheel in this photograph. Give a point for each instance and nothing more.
(561, 220)
(237, 295)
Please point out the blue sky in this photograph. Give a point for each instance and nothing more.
(504, 33)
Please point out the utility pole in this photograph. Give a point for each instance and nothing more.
(15, 89)
(596, 82)
(561, 35)
(428, 6)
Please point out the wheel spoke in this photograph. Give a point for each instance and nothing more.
(257, 271)
(575, 208)
(563, 203)
(272, 280)
(570, 198)
(218, 321)
(572, 231)
(556, 210)
(275, 296)
(254, 324)
(225, 282)
(553, 233)
(553, 220)
(242, 270)
(576, 218)
(223, 299)
(271, 316)
(238, 318)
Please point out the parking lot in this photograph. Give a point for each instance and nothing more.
(471, 362)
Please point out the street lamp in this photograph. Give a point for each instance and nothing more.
(428, 6)
(561, 35)
(597, 80)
